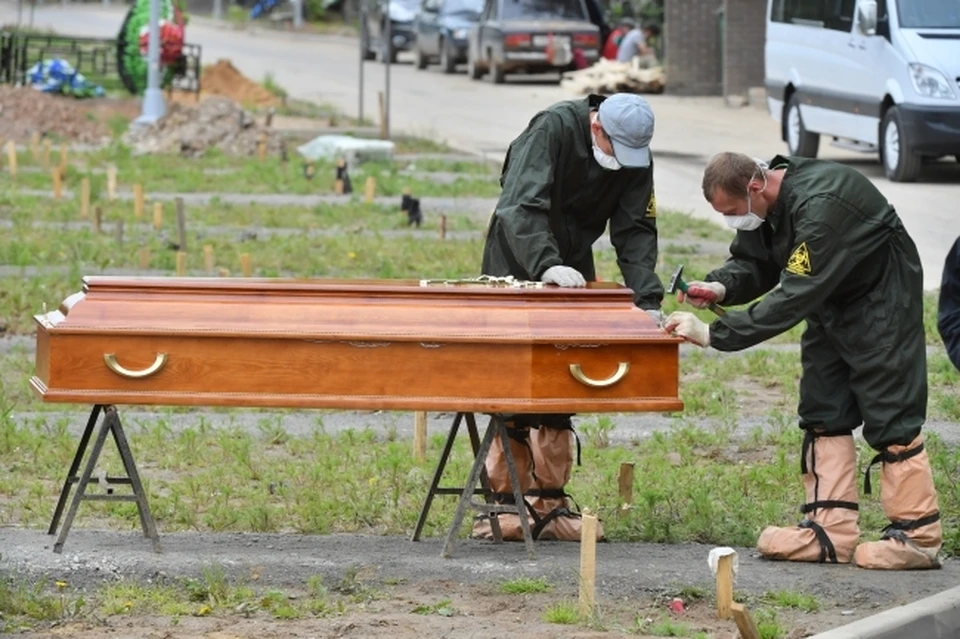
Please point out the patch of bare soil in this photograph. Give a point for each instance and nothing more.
(24, 110)
(189, 131)
(224, 80)
(413, 611)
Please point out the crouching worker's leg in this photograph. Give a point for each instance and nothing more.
(553, 454)
(499, 475)
(909, 498)
(829, 532)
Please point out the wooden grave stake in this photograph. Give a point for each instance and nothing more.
(745, 624)
(157, 216)
(57, 183)
(208, 257)
(12, 158)
(245, 265)
(46, 154)
(420, 435)
(84, 198)
(383, 115)
(138, 201)
(442, 229)
(262, 147)
(144, 258)
(370, 189)
(181, 224)
(111, 182)
(338, 185)
(63, 158)
(725, 586)
(588, 562)
(181, 263)
(35, 146)
(625, 485)
(97, 219)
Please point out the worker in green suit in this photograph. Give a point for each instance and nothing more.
(577, 167)
(820, 243)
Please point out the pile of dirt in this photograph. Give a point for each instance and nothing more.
(24, 110)
(224, 80)
(214, 123)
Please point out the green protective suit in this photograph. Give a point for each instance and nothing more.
(834, 252)
(556, 202)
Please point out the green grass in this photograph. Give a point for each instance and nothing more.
(174, 174)
(792, 599)
(562, 613)
(525, 586)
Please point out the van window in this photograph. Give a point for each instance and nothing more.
(544, 10)
(808, 12)
(929, 14)
(841, 15)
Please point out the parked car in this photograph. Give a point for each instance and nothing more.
(441, 31)
(532, 36)
(876, 76)
(373, 28)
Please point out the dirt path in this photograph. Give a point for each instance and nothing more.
(632, 579)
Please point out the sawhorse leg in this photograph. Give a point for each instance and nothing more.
(111, 424)
(496, 428)
(436, 489)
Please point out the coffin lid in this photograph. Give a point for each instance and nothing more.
(392, 310)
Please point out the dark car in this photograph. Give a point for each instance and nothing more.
(532, 36)
(441, 30)
(373, 28)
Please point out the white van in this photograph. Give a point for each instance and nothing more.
(873, 75)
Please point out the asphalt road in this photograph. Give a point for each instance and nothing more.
(481, 117)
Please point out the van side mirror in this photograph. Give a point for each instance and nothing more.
(868, 16)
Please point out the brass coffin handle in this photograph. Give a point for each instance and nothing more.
(622, 369)
(111, 360)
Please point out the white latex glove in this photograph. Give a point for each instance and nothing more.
(656, 315)
(689, 327)
(702, 294)
(563, 276)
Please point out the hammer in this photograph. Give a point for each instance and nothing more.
(676, 282)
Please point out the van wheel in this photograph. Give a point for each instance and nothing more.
(799, 141)
(474, 71)
(900, 163)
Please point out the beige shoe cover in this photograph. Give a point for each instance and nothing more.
(831, 477)
(499, 475)
(553, 451)
(908, 495)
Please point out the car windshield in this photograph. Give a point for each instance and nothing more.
(929, 14)
(543, 10)
(413, 5)
(463, 7)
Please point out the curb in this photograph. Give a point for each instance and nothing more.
(936, 617)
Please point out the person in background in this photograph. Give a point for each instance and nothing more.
(948, 313)
(636, 43)
(612, 44)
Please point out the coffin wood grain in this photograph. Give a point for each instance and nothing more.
(354, 344)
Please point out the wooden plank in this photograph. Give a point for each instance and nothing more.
(588, 563)
(370, 189)
(12, 158)
(84, 198)
(157, 216)
(245, 266)
(208, 258)
(420, 435)
(181, 224)
(181, 263)
(625, 484)
(111, 182)
(746, 625)
(725, 586)
(144, 258)
(138, 200)
(57, 183)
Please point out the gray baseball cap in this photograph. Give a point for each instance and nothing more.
(628, 121)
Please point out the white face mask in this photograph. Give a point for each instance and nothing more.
(606, 161)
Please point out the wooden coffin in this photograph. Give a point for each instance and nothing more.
(367, 344)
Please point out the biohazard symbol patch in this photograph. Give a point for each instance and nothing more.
(652, 206)
(799, 262)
